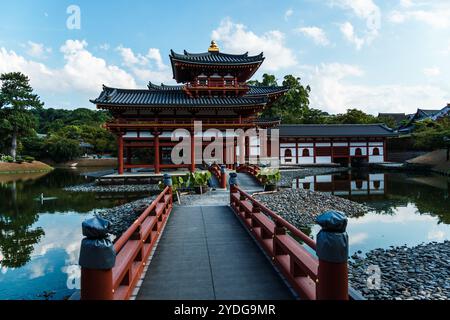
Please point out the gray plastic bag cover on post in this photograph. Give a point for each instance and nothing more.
(97, 250)
(332, 240)
(233, 179)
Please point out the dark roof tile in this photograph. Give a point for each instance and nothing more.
(335, 130)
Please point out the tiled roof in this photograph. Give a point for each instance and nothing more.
(335, 130)
(162, 95)
(216, 58)
(172, 97)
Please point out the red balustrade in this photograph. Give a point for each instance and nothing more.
(132, 249)
(280, 240)
(251, 169)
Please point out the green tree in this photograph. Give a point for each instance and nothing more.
(16, 100)
(353, 116)
(293, 106)
(61, 149)
(269, 80)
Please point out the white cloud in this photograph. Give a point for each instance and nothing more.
(104, 46)
(85, 72)
(82, 72)
(129, 58)
(288, 14)
(348, 31)
(366, 10)
(316, 34)
(434, 13)
(148, 67)
(406, 3)
(333, 90)
(358, 238)
(37, 50)
(432, 72)
(236, 38)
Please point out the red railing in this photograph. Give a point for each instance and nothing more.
(279, 239)
(132, 251)
(133, 248)
(251, 169)
(216, 170)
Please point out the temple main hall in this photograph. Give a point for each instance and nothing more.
(212, 88)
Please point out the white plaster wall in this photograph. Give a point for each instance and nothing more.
(376, 159)
(364, 186)
(363, 151)
(130, 134)
(306, 160)
(324, 178)
(300, 151)
(323, 160)
(375, 144)
(379, 148)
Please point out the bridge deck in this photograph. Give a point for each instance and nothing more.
(205, 253)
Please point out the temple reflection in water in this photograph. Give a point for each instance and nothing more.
(344, 184)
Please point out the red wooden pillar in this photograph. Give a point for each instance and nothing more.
(157, 156)
(296, 151)
(234, 156)
(192, 167)
(120, 154)
(384, 149)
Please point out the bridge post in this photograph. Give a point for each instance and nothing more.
(97, 258)
(332, 251)
(233, 182)
(223, 177)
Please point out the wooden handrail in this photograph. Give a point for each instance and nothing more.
(135, 245)
(300, 267)
(280, 220)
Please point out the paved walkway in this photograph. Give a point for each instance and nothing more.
(205, 253)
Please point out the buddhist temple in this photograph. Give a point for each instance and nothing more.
(212, 88)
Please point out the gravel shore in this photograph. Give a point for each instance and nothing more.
(417, 273)
(288, 175)
(301, 207)
(122, 217)
(120, 188)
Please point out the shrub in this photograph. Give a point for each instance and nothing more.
(198, 179)
(269, 176)
(7, 159)
(28, 159)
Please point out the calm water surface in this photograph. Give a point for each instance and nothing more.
(408, 209)
(39, 241)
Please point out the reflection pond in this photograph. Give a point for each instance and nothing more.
(407, 208)
(39, 240)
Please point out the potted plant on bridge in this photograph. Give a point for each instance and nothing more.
(269, 178)
(199, 181)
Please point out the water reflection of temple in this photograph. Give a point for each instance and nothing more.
(344, 184)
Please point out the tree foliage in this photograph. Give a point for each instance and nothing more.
(16, 101)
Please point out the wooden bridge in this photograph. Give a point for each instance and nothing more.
(238, 251)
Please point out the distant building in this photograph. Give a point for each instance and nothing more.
(334, 143)
(424, 114)
(398, 118)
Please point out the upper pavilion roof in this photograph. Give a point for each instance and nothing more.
(187, 66)
(216, 58)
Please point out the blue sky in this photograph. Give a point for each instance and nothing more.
(379, 56)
